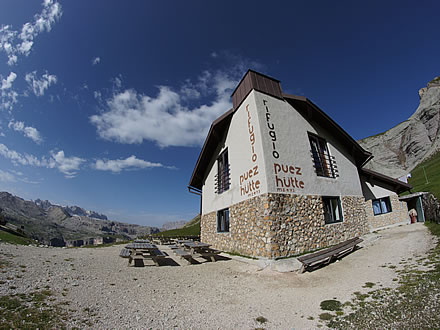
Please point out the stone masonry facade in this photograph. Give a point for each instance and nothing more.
(398, 214)
(281, 225)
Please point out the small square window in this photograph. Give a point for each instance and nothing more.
(381, 205)
(332, 209)
(223, 221)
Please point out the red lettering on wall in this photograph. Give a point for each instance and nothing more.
(286, 177)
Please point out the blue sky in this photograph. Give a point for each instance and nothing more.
(105, 104)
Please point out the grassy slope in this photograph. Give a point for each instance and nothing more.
(14, 239)
(192, 228)
(432, 169)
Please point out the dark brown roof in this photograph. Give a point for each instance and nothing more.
(312, 112)
(398, 186)
(260, 82)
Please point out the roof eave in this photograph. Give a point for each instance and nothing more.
(197, 176)
(363, 156)
(399, 186)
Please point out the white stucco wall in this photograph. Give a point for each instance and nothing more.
(245, 153)
(281, 132)
(374, 191)
(285, 135)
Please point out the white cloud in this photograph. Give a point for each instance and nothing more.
(15, 43)
(66, 165)
(23, 159)
(118, 165)
(8, 97)
(39, 86)
(7, 83)
(117, 82)
(132, 117)
(28, 131)
(6, 177)
(96, 60)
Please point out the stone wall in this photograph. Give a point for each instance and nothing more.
(277, 225)
(431, 207)
(298, 223)
(399, 214)
(247, 229)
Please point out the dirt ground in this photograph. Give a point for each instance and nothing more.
(96, 284)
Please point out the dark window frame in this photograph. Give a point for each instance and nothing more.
(329, 203)
(223, 177)
(323, 162)
(388, 208)
(223, 221)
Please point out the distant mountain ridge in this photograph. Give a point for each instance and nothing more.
(55, 225)
(173, 225)
(400, 149)
(71, 210)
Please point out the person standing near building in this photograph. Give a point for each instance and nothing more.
(413, 215)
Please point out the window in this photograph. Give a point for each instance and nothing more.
(325, 165)
(222, 178)
(223, 221)
(381, 205)
(332, 209)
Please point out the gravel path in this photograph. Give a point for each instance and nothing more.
(97, 285)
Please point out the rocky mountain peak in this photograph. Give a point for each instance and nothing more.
(397, 151)
(433, 83)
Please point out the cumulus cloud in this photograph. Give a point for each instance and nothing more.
(96, 60)
(166, 119)
(66, 165)
(15, 43)
(28, 131)
(7, 83)
(39, 85)
(129, 163)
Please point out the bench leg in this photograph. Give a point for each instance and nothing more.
(303, 268)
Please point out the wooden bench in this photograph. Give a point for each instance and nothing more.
(183, 254)
(328, 255)
(125, 253)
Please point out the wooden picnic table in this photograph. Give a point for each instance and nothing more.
(142, 241)
(201, 249)
(181, 242)
(141, 251)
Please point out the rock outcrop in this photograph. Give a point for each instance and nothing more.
(54, 224)
(71, 210)
(401, 148)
